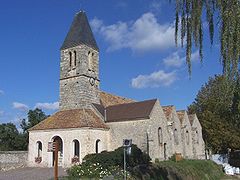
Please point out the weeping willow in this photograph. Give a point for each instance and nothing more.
(223, 14)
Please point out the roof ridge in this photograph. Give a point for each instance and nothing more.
(117, 95)
(131, 103)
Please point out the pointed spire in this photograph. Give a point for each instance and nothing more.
(80, 33)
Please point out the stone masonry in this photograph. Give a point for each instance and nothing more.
(79, 83)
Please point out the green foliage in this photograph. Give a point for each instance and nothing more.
(108, 163)
(34, 117)
(216, 106)
(189, 21)
(90, 171)
(10, 138)
(115, 158)
(185, 169)
(172, 158)
(191, 169)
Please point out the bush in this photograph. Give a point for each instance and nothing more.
(108, 164)
(115, 158)
(89, 171)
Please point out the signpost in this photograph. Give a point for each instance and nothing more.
(126, 147)
(53, 147)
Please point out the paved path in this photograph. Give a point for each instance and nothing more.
(30, 174)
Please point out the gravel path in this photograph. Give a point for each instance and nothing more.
(30, 174)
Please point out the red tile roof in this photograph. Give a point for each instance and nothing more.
(110, 99)
(167, 110)
(181, 114)
(76, 118)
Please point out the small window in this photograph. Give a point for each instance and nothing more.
(76, 146)
(70, 59)
(175, 134)
(39, 149)
(97, 146)
(160, 136)
(187, 137)
(90, 60)
(75, 58)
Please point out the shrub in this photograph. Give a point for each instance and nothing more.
(108, 163)
(89, 171)
(115, 158)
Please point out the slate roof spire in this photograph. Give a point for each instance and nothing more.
(80, 33)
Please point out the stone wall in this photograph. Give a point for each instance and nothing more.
(12, 159)
(141, 130)
(79, 83)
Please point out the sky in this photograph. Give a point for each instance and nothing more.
(138, 56)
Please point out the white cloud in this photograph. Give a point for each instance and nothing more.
(195, 56)
(145, 34)
(173, 60)
(176, 60)
(153, 80)
(1, 112)
(20, 106)
(1, 92)
(155, 6)
(48, 106)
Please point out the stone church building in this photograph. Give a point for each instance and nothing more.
(91, 121)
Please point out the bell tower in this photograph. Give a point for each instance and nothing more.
(79, 66)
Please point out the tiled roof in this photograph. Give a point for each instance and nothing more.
(181, 114)
(130, 111)
(76, 118)
(167, 110)
(80, 33)
(110, 99)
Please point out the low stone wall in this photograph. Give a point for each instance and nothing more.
(12, 159)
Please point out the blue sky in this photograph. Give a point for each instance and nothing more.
(138, 57)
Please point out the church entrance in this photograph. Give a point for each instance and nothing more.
(60, 150)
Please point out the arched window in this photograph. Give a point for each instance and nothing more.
(75, 58)
(76, 147)
(90, 60)
(97, 145)
(39, 149)
(160, 136)
(70, 59)
(175, 134)
(187, 137)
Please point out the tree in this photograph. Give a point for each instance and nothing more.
(236, 105)
(34, 117)
(10, 138)
(214, 107)
(189, 19)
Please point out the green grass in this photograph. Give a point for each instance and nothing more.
(183, 170)
(193, 169)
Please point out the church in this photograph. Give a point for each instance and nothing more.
(91, 121)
